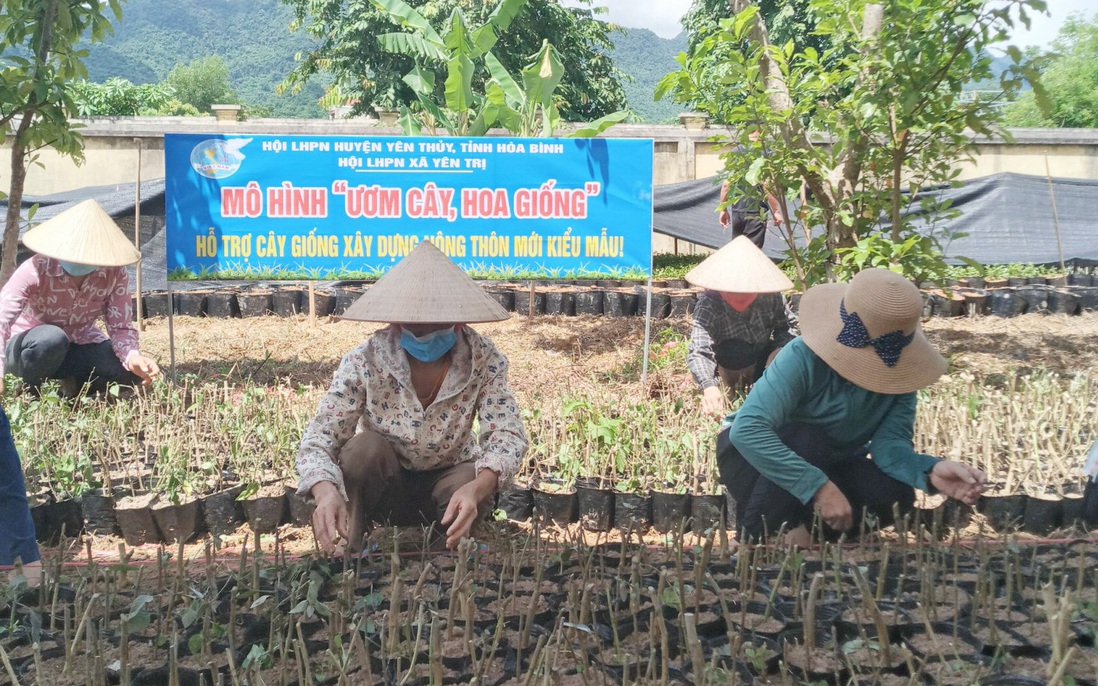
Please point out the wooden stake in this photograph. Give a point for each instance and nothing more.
(312, 304)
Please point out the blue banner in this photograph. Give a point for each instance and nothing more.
(343, 207)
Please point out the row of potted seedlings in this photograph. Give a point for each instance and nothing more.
(604, 297)
(1011, 302)
(611, 301)
(1029, 433)
(602, 509)
(907, 612)
(151, 517)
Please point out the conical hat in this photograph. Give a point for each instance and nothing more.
(83, 234)
(739, 267)
(426, 287)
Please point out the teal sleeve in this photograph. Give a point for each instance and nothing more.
(768, 408)
(892, 445)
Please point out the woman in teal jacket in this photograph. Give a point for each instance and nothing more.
(828, 429)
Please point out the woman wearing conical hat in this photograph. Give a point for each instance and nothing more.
(843, 391)
(740, 322)
(50, 305)
(393, 440)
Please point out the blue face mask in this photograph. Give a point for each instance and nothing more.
(429, 347)
(74, 269)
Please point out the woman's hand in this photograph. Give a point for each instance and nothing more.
(144, 367)
(330, 517)
(462, 510)
(833, 507)
(713, 401)
(958, 480)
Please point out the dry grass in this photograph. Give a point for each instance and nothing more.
(551, 354)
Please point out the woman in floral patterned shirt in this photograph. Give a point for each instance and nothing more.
(50, 305)
(419, 426)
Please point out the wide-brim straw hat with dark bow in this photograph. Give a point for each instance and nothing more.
(739, 267)
(869, 331)
(426, 287)
(83, 234)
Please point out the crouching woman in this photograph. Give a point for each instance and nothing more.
(393, 440)
(828, 429)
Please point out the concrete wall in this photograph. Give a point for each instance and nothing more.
(112, 157)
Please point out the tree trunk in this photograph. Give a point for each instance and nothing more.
(19, 146)
(15, 199)
(830, 192)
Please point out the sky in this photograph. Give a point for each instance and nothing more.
(662, 17)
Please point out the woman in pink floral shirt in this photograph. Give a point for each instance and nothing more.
(419, 426)
(50, 305)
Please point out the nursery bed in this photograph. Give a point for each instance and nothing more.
(565, 613)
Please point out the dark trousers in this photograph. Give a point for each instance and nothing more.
(751, 225)
(16, 526)
(45, 352)
(739, 362)
(763, 507)
(380, 490)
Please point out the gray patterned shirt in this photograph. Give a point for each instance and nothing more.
(768, 318)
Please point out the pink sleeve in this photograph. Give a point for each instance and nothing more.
(13, 298)
(119, 318)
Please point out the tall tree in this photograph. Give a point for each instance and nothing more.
(786, 20)
(1071, 79)
(203, 82)
(349, 47)
(38, 64)
(887, 95)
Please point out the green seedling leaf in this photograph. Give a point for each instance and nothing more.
(194, 643)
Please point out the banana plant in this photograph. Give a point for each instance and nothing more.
(529, 109)
(463, 111)
(524, 107)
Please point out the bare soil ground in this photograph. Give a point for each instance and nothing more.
(549, 357)
(548, 354)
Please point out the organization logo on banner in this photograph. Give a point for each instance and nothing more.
(216, 158)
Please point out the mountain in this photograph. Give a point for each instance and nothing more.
(253, 38)
(646, 58)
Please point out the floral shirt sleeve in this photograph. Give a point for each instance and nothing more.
(334, 424)
(502, 437)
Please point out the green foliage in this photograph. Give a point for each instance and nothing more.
(1071, 79)
(202, 83)
(251, 36)
(672, 266)
(789, 20)
(38, 63)
(890, 99)
(364, 49)
(119, 98)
